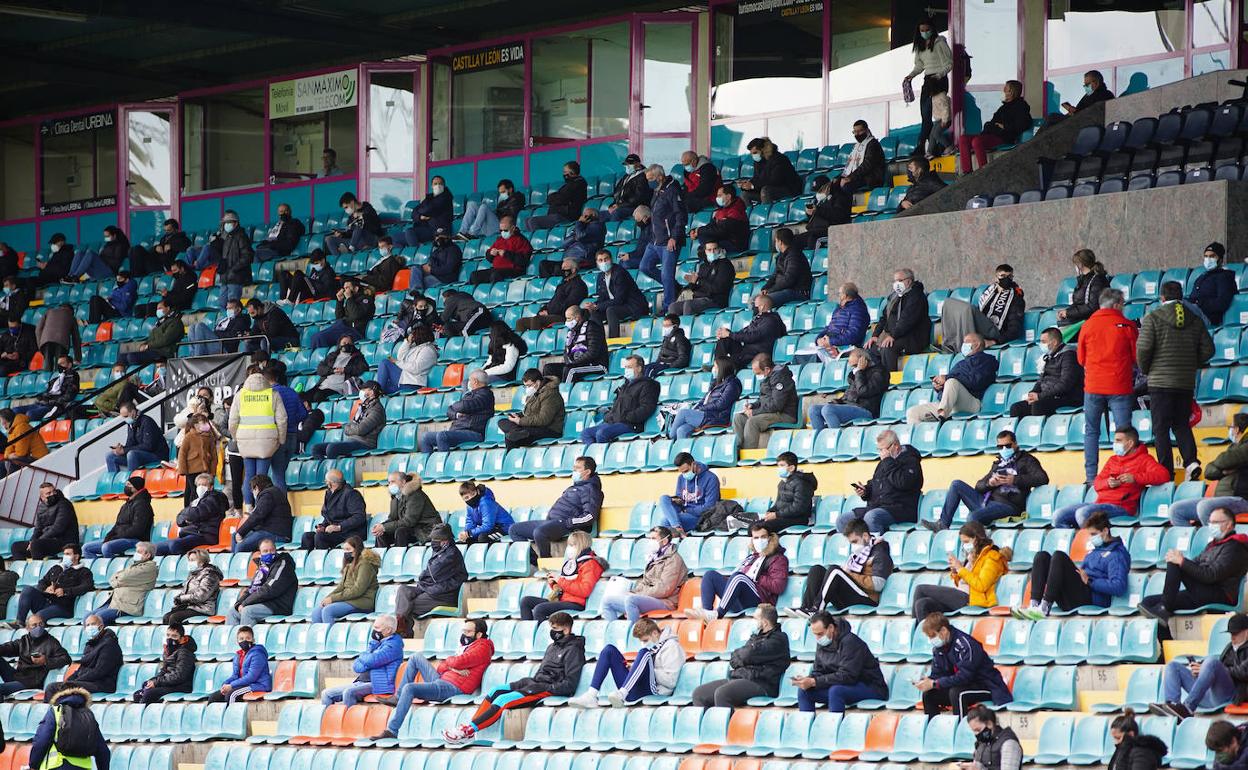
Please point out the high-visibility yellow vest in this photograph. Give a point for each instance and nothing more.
(255, 410)
(55, 759)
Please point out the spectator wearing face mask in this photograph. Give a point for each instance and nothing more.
(576, 510)
(505, 351)
(729, 226)
(485, 521)
(1057, 582)
(56, 266)
(833, 205)
(118, 304)
(173, 241)
(634, 403)
(438, 584)
(1229, 745)
(790, 279)
(618, 298)
(570, 292)
(697, 491)
(996, 747)
(36, 653)
(481, 218)
(1061, 379)
(1002, 493)
(14, 299)
(509, 255)
(845, 670)
(353, 310)
(923, 182)
(713, 409)
(234, 270)
(133, 523)
(433, 213)
(357, 587)
(794, 505)
(760, 579)
(569, 589)
(759, 336)
(362, 227)
(362, 430)
(1121, 482)
(271, 591)
(340, 371)
(469, 417)
(412, 514)
(250, 672)
(283, 236)
(230, 325)
(57, 591)
(18, 347)
(162, 341)
(866, 166)
(88, 265)
(199, 522)
(444, 263)
(197, 452)
(962, 389)
(200, 590)
(653, 672)
(962, 674)
(56, 521)
(776, 403)
(268, 519)
(131, 586)
(868, 382)
(1008, 123)
(774, 176)
(543, 416)
(755, 668)
(1213, 290)
(580, 243)
(660, 584)
(675, 352)
(859, 582)
(975, 575)
(565, 203)
(316, 281)
(177, 667)
(1231, 491)
(997, 316)
(667, 232)
(408, 367)
(709, 287)
(584, 348)
(385, 266)
(1214, 576)
(99, 665)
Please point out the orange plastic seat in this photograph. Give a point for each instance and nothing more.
(720, 763)
(1237, 708)
(104, 332)
(283, 680)
(689, 632)
(331, 725)
(692, 763)
(880, 732)
(987, 631)
(1079, 546)
(746, 764)
(454, 376)
(375, 720)
(353, 726)
(163, 482)
(402, 280)
(715, 636)
(36, 362)
(225, 534)
(398, 679)
(208, 277)
(740, 732)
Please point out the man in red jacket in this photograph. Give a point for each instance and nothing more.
(459, 674)
(1107, 354)
(509, 256)
(1120, 483)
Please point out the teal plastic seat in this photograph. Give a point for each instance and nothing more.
(1090, 742)
(908, 740)
(1055, 740)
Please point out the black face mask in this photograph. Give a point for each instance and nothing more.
(283, 217)
(465, 640)
(556, 635)
(984, 735)
(171, 644)
(569, 176)
(474, 501)
(1005, 283)
(245, 645)
(347, 558)
(569, 273)
(377, 636)
(441, 241)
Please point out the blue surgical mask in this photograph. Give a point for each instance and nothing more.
(577, 476)
(229, 226)
(91, 631)
(38, 631)
(1006, 452)
(935, 641)
(1087, 89)
(630, 374)
(393, 489)
(67, 562)
(1215, 532)
(927, 35)
(783, 472)
(267, 558)
(756, 156)
(160, 312)
(654, 184)
(1120, 448)
(687, 475)
(231, 313)
(502, 196)
(823, 641)
(967, 348)
(1096, 541)
(689, 168)
(605, 266)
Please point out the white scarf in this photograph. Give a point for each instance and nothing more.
(858, 155)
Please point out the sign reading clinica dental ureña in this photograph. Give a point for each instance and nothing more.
(317, 93)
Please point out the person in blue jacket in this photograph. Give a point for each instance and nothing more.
(581, 241)
(847, 326)
(433, 213)
(144, 443)
(375, 670)
(1057, 581)
(576, 510)
(618, 298)
(469, 417)
(251, 669)
(1213, 290)
(697, 490)
(963, 388)
(486, 520)
(715, 408)
(962, 673)
(120, 300)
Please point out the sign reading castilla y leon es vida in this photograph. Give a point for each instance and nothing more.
(488, 58)
(316, 93)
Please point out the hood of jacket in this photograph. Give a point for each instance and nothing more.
(71, 696)
(804, 477)
(255, 382)
(368, 556)
(412, 486)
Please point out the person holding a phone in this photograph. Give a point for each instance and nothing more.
(1102, 575)
(845, 670)
(962, 673)
(892, 494)
(1000, 494)
(1210, 683)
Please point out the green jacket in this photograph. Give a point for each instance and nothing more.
(1173, 344)
(109, 399)
(1224, 468)
(413, 510)
(358, 586)
(165, 336)
(545, 408)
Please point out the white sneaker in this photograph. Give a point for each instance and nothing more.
(706, 616)
(457, 736)
(1192, 472)
(617, 699)
(586, 700)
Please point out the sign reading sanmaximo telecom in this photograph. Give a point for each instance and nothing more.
(318, 93)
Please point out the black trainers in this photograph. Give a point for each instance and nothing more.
(933, 526)
(1179, 710)
(385, 735)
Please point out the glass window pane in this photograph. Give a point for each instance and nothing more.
(664, 150)
(841, 121)
(223, 140)
(796, 132)
(767, 58)
(730, 137)
(667, 79)
(1211, 61)
(299, 143)
(1133, 78)
(487, 109)
(79, 159)
(149, 154)
(578, 88)
(869, 57)
(391, 121)
(1088, 31)
(993, 25)
(1211, 22)
(440, 114)
(17, 170)
(1067, 88)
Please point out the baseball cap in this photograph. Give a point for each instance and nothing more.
(632, 157)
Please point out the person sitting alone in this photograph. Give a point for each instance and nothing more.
(845, 670)
(1058, 582)
(653, 672)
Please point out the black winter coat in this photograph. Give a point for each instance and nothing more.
(777, 171)
(444, 573)
(906, 319)
(635, 401)
(847, 660)
(777, 394)
(1212, 292)
(345, 507)
(870, 172)
(236, 257)
(275, 324)
(590, 345)
(795, 498)
(445, 262)
(568, 201)
(1062, 376)
(1030, 475)
(286, 238)
(29, 673)
(836, 209)
(277, 592)
(560, 670)
(271, 513)
(790, 271)
(616, 288)
(134, 519)
(1223, 563)
(897, 485)
(74, 581)
(763, 659)
(867, 388)
(100, 662)
(1140, 752)
(356, 366)
(1010, 120)
(56, 519)
(714, 281)
(177, 668)
(570, 291)
(761, 333)
(1086, 299)
(1236, 661)
(676, 350)
(632, 191)
(205, 516)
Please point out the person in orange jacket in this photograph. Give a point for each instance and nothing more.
(25, 445)
(1107, 354)
(571, 587)
(1120, 483)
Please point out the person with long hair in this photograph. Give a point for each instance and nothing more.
(506, 349)
(1134, 751)
(715, 407)
(1090, 281)
(933, 59)
(975, 575)
(357, 588)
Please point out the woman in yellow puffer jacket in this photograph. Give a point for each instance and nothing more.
(974, 581)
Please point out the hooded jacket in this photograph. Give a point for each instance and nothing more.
(42, 748)
(1028, 475)
(635, 401)
(760, 334)
(790, 271)
(445, 262)
(358, 584)
(616, 288)
(444, 573)
(271, 513)
(716, 406)
(668, 657)
(177, 666)
(251, 669)
(197, 452)
(1107, 344)
(345, 507)
(200, 590)
(277, 590)
(560, 670)
(665, 574)
(1172, 346)
(848, 324)
(367, 422)
(258, 441)
(1225, 468)
(26, 442)
(1213, 292)
(795, 498)
(413, 510)
(1108, 567)
(74, 581)
(962, 663)
(55, 519)
(981, 575)
(897, 484)
(1086, 298)
(847, 660)
(675, 352)
(867, 387)
(1140, 464)
(474, 658)
(1061, 375)
(131, 586)
(487, 515)
(777, 394)
(905, 318)
(545, 408)
(203, 516)
(1223, 563)
(976, 373)
(473, 411)
(763, 659)
(699, 493)
(773, 575)
(100, 662)
(1138, 752)
(578, 576)
(579, 505)
(568, 201)
(30, 674)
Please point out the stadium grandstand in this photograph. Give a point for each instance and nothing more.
(748, 385)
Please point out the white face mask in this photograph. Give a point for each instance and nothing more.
(667, 330)
(570, 323)
(54, 248)
(1230, 434)
(570, 552)
(899, 287)
(760, 543)
(504, 233)
(821, 197)
(229, 227)
(438, 189)
(721, 200)
(1210, 263)
(394, 490)
(530, 390)
(967, 349)
(201, 489)
(108, 239)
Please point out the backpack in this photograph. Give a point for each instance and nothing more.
(725, 516)
(76, 731)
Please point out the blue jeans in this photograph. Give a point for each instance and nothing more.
(328, 337)
(837, 697)
(420, 280)
(202, 257)
(1094, 408)
(684, 423)
(253, 466)
(479, 219)
(785, 296)
(356, 238)
(280, 460)
(878, 520)
(349, 694)
(631, 606)
(1184, 512)
(106, 614)
(87, 262)
(204, 334)
(332, 613)
(835, 415)
(604, 432)
(736, 592)
(446, 440)
(250, 615)
(251, 541)
(633, 680)
(334, 449)
(180, 545)
(660, 264)
(135, 459)
(1073, 516)
(388, 376)
(231, 291)
(1212, 688)
(671, 516)
(35, 412)
(977, 509)
(433, 689)
(98, 548)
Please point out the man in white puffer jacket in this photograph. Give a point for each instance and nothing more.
(654, 672)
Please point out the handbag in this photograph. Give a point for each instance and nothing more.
(942, 108)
